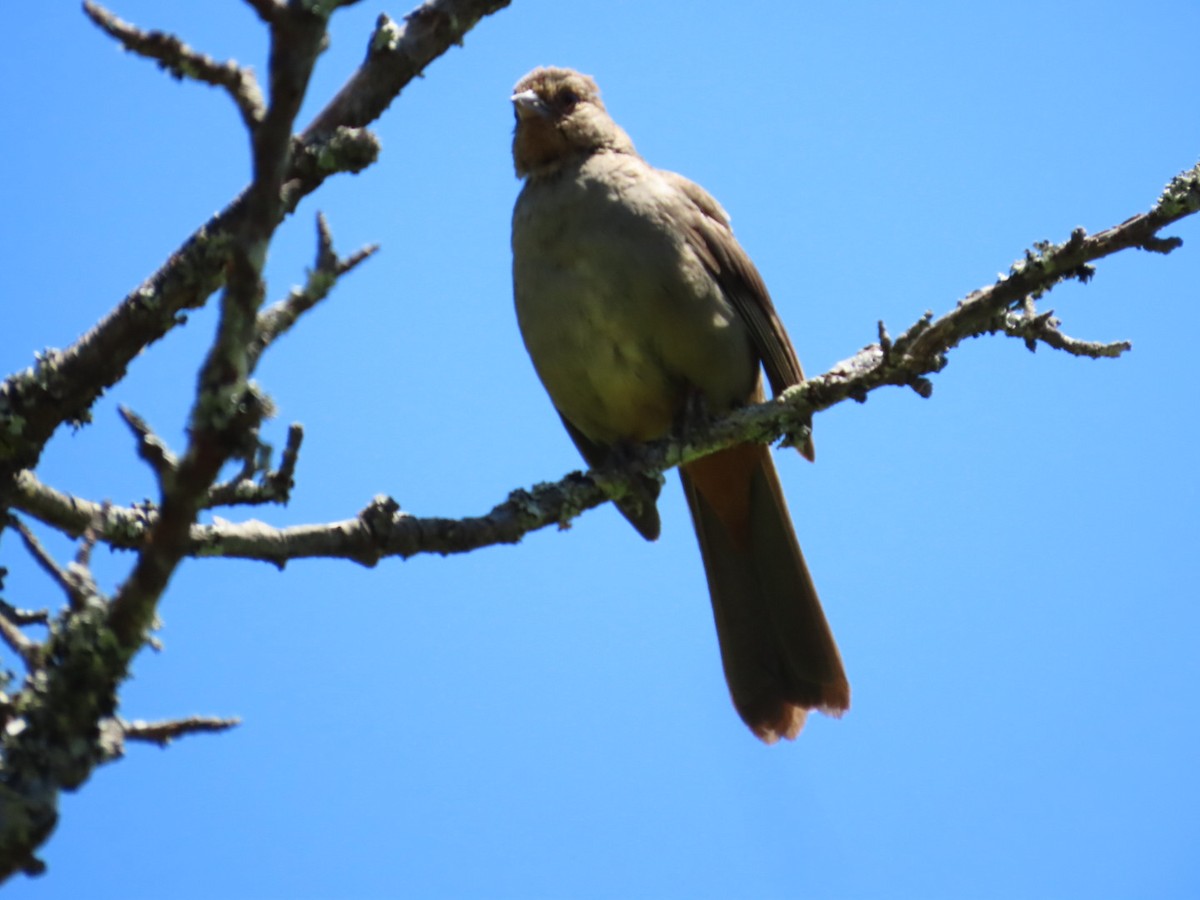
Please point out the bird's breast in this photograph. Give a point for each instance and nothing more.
(619, 314)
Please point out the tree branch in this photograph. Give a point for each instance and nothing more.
(75, 588)
(24, 616)
(396, 54)
(63, 385)
(271, 486)
(164, 731)
(381, 529)
(54, 730)
(182, 62)
(227, 410)
(277, 319)
(1033, 327)
(52, 739)
(29, 651)
(151, 449)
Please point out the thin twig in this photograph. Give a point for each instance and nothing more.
(163, 731)
(44, 560)
(151, 449)
(21, 644)
(1043, 327)
(182, 61)
(271, 486)
(20, 616)
(278, 318)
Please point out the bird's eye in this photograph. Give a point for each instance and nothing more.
(567, 98)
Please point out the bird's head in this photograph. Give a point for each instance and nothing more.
(560, 116)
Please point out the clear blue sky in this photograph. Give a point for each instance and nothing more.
(1011, 567)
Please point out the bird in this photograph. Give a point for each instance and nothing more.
(642, 314)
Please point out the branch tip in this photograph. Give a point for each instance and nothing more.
(164, 731)
(150, 448)
(1161, 245)
(181, 61)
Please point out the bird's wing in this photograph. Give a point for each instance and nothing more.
(640, 507)
(711, 236)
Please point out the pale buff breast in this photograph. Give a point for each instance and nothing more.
(618, 313)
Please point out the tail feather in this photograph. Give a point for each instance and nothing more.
(779, 655)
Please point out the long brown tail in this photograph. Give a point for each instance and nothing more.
(779, 655)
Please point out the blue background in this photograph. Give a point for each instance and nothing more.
(1010, 567)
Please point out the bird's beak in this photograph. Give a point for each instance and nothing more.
(528, 104)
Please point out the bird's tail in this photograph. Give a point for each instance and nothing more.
(778, 652)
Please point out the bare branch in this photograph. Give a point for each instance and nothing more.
(114, 733)
(284, 477)
(1033, 327)
(151, 449)
(182, 61)
(56, 742)
(381, 529)
(227, 409)
(277, 319)
(64, 384)
(24, 616)
(68, 582)
(271, 486)
(80, 571)
(123, 527)
(27, 649)
(164, 731)
(397, 54)
(1049, 264)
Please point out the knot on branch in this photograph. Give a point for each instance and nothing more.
(344, 150)
(376, 520)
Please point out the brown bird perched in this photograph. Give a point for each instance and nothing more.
(638, 308)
